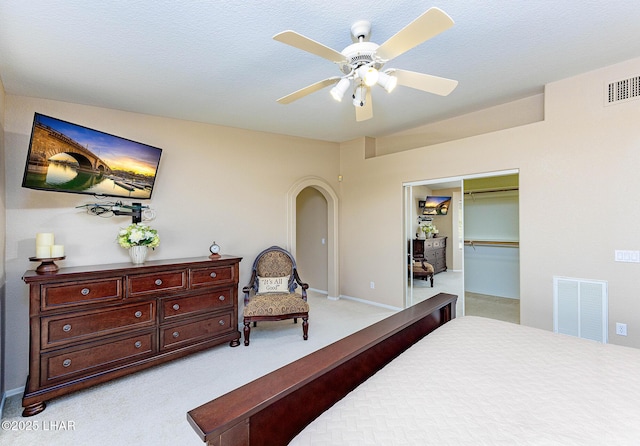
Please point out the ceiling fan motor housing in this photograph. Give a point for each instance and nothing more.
(358, 54)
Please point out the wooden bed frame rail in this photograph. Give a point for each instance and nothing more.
(273, 409)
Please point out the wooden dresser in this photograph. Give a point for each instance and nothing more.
(433, 251)
(89, 325)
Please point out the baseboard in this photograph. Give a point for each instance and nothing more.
(357, 299)
(325, 293)
(369, 302)
(16, 391)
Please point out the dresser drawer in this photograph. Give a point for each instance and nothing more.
(73, 327)
(211, 276)
(161, 282)
(79, 361)
(80, 293)
(430, 257)
(188, 333)
(200, 303)
(436, 242)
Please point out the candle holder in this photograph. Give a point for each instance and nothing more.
(48, 265)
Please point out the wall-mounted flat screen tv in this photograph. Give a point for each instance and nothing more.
(436, 205)
(66, 157)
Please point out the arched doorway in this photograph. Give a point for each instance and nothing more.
(333, 282)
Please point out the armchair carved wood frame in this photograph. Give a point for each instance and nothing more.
(275, 262)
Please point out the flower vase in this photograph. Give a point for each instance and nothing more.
(138, 254)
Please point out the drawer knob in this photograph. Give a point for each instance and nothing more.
(85, 291)
(66, 328)
(221, 322)
(176, 334)
(221, 297)
(176, 307)
(66, 363)
(213, 275)
(158, 282)
(138, 313)
(138, 344)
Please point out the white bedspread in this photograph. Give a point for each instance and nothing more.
(478, 381)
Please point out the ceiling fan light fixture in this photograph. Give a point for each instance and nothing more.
(368, 74)
(359, 95)
(387, 82)
(338, 91)
(362, 62)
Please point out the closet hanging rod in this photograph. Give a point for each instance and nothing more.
(484, 191)
(474, 243)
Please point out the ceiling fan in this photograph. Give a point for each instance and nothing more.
(361, 63)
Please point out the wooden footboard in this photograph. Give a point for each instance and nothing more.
(273, 409)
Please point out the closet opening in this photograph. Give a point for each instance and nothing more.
(478, 239)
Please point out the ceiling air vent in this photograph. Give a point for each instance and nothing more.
(622, 91)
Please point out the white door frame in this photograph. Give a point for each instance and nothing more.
(408, 233)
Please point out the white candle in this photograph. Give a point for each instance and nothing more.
(44, 239)
(57, 251)
(43, 252)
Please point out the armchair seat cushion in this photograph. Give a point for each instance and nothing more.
(419, 268)
(275, 304)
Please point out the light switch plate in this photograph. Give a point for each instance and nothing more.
(627, 256)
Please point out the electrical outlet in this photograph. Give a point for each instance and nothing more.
(621, 329)
(372, 285)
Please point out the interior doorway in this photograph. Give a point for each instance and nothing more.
(453, 234)
(311, 239)
(331, 239)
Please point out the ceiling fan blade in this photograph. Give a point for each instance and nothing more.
(311, 46)
(308, 90)
(366, 111)
(430, 24)
(425, 82)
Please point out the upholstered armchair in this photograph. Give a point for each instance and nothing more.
(421, 270)
(271, 293)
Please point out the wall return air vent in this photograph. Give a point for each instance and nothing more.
(580, 308)
(622, 91)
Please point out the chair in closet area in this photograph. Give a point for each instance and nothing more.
(420, 269)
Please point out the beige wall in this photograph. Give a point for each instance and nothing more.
(578, 199)
(505, 116)
(2, 243)
(445, 223)
(578, 186)
(311, 230)
(214, 183)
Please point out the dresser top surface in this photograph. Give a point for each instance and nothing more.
(129, 268)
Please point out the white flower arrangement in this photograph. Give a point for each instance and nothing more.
(429, 228)
(138, 234)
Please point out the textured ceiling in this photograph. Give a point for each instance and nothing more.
(216, 61)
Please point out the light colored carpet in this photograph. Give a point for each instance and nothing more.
(150, 407)
(445, 282)
(494, 307)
